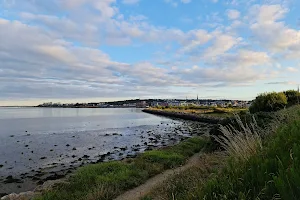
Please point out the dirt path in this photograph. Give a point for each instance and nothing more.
(140, 191)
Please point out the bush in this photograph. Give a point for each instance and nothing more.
(293, 97)
(268, 102)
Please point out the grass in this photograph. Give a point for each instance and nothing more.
(274, 173)
(108, 180)
(241, 143)
(198, 110)
(185, 185)
(269, 170)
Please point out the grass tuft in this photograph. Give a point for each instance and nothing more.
(242, 142)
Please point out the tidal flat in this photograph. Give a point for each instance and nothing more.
(41, 144)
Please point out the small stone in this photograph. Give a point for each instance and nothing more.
(43, 158)
(67, 145)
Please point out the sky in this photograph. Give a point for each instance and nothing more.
(105, 50)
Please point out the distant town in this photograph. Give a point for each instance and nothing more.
(138, 103)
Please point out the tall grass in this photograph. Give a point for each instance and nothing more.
(242, 142)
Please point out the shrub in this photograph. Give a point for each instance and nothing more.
(268, 102)
(293, 97)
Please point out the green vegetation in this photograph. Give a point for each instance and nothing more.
(262, 164)
(273, 172)
(273, 101)
(108, 180)
(268, 102)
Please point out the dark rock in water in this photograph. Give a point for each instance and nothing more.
(73, 156)
(1, 166)
(11, 179)
(67, 145)
(43, 158)
(79, 159)
(28, 134)
(26, 145)
(123, 148)
(74, 149)
(89, 148)
(55, 145)
(12, 136)
(145, 143)
(26, 131)
(115, 134)
(51, 149)
(73, 136)
(121, 154)
(3, 194)
(85, 156)
(106, 134)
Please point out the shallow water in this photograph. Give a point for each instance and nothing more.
(39, 140)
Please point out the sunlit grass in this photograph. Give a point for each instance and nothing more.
(108, 180)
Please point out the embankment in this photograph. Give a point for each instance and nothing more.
(186, 116)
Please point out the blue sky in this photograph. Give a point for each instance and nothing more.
(102, 50)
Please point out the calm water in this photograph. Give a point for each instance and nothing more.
(48, 138)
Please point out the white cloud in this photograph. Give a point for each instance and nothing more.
(274, 34)
(233, 14)
(292, 69)
(221, 44)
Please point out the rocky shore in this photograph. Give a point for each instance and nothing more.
(186, 116)
(162, 135)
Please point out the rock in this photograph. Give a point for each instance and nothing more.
(43, 158)
(67, 145)
(12, 136)
(74, 149)
(21, 196)
(11, 179)
(1, 166)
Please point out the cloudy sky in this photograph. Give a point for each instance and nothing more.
(99, 50)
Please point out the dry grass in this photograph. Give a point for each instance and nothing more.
(243, 142)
